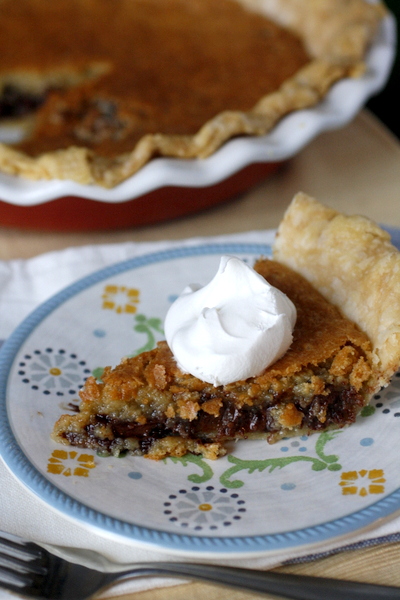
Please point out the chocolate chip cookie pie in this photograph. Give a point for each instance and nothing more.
(103, 87)
(343, 276)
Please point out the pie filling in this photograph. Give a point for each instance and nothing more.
(146, 405)
(338, 408)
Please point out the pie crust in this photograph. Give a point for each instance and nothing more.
(352, 262)
(334, 33)
(343, 276)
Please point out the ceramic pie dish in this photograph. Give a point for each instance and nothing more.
(167, 187)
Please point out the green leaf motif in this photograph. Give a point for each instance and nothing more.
(319, 463)
(367, 411)
(322, 440)
(98, 373)
(207, 471)
(147, 326)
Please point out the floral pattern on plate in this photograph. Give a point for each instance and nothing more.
(257, 498)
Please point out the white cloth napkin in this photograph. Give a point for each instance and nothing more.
(24, 284)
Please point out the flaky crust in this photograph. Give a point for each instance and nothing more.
(336, 34)
(352, 262)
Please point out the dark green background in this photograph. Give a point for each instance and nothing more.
(386, 105)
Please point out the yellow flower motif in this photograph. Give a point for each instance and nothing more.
(363, 482)
(120, 298)
(67, 463)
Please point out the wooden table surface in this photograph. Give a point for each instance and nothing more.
(356, 170)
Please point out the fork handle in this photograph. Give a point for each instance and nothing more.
(285, 585)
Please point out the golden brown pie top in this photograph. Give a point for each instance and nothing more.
(130, 79)
(321, 331)
(169, 65)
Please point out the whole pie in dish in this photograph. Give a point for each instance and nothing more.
(343, 276)
(103, 87)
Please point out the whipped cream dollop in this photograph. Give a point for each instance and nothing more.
(232, 328)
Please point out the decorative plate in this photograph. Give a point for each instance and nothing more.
(258, 498)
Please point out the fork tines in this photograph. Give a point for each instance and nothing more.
(20, 562)
(11, 543)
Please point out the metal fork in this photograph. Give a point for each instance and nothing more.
(31, 570)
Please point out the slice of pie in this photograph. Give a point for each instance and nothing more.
(103, 87)
(343, 275)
